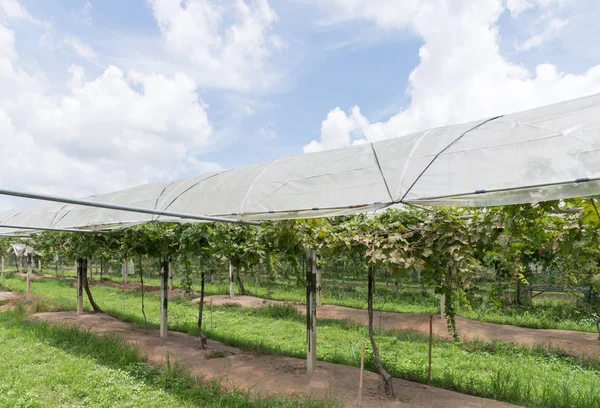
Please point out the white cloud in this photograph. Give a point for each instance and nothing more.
(85, 14)
(81, 48)
(268, 131)
(517, 7)
(461, 76)
(553, 28)
(15, 11)
(228, 43)
(336, 130)
(99, 134)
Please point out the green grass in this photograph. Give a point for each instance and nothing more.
(47, 366)
(534, 377)
(544, 313)
(410, 301)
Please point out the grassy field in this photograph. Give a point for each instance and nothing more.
(544, 313)
(50, 366)
(533, 377)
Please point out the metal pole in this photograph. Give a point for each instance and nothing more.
(500, 190)
(20, 227)
(88, 203)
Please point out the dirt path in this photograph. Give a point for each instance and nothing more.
(36, 276)
(575, 343)
(8, 296)
(7, 300)
(267, 374)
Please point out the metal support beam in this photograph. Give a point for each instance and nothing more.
(117, 207)
(20, 227)
(501, 190)
(311, 309)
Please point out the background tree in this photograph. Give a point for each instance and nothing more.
(240, 245)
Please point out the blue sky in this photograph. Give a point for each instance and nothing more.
(101, 95)
(321, 71)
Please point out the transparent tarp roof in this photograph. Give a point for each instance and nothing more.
(542, 154)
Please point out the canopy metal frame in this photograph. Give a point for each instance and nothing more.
(118, 207)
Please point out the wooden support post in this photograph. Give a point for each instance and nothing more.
(311, 309)
(231, 291)
(29, 271)
(319, 279)
(442, 307)
(164, 298)
(20, 264)
(40, 264)
(80, 273)
(125, 270)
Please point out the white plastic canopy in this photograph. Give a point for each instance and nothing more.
(548, 153)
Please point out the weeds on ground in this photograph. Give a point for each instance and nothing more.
(65, 366)
(535, 377)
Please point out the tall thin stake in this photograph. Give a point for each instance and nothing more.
(430, 347)
(142, 288)
(362, 368)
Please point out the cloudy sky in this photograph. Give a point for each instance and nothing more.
(99, 95)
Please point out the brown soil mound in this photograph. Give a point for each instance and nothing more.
(245, 301)
(7, 300)
(267, 374)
